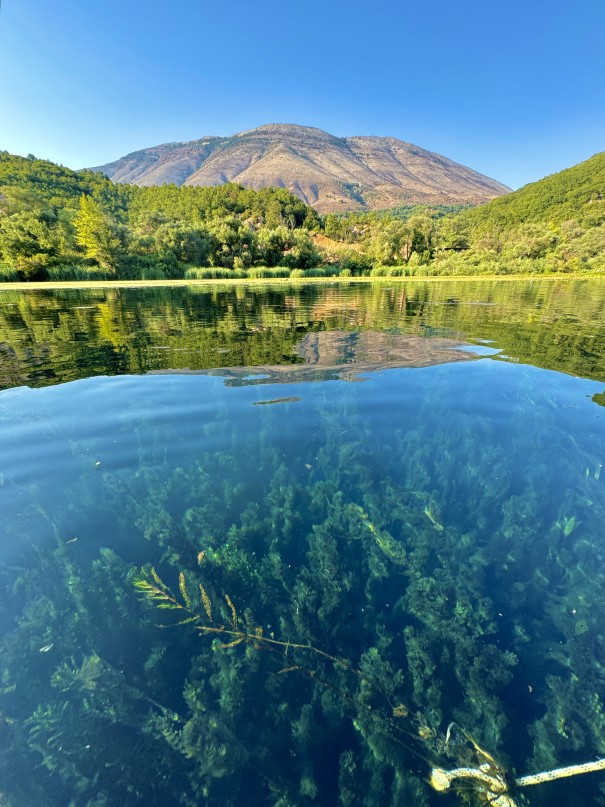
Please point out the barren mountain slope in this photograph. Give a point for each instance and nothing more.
(330, 173)
(160, 165)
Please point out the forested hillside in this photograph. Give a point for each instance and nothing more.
(554, 225)
(576, 193)
(57, 223)
(61, 224)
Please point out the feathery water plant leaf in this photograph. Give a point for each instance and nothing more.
(233, 611)
(206, 602)
(183, 590)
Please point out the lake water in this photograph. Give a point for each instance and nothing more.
(299, 545)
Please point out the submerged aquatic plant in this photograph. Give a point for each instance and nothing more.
(480, 776)
(383, 581)
(567, 525)
(149, 584)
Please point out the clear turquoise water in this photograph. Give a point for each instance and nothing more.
(437, 531)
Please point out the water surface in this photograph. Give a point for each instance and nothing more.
(379, 526)
(53, 336)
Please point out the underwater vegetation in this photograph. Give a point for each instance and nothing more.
(253, 618)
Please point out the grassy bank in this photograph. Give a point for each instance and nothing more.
(99, 284)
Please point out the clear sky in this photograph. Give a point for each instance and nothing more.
(514, 89)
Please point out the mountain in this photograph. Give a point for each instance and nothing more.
(330, 173)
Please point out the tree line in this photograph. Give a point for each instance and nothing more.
(61, 224)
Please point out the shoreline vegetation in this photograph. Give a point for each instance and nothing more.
(60, 225)
(282, 281)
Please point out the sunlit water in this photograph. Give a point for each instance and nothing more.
(384, 480)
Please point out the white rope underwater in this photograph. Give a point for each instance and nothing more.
(495, 783)
(561, 773)
(491, 779)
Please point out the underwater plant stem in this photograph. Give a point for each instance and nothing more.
(161, 596)
(285, 646)
(369, 712)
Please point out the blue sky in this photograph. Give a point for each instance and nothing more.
(513, 89)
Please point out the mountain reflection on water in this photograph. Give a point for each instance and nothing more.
(231, 586)
(346, 355)
(52, 336)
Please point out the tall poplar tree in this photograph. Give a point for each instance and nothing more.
(96, 234)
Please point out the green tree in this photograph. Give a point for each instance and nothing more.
(271, 243)
(391, 242)
(303, 253)
(97, 234)
(29, 242)
(422, 233)
(232, 238)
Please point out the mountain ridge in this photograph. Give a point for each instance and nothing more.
(332, 174)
